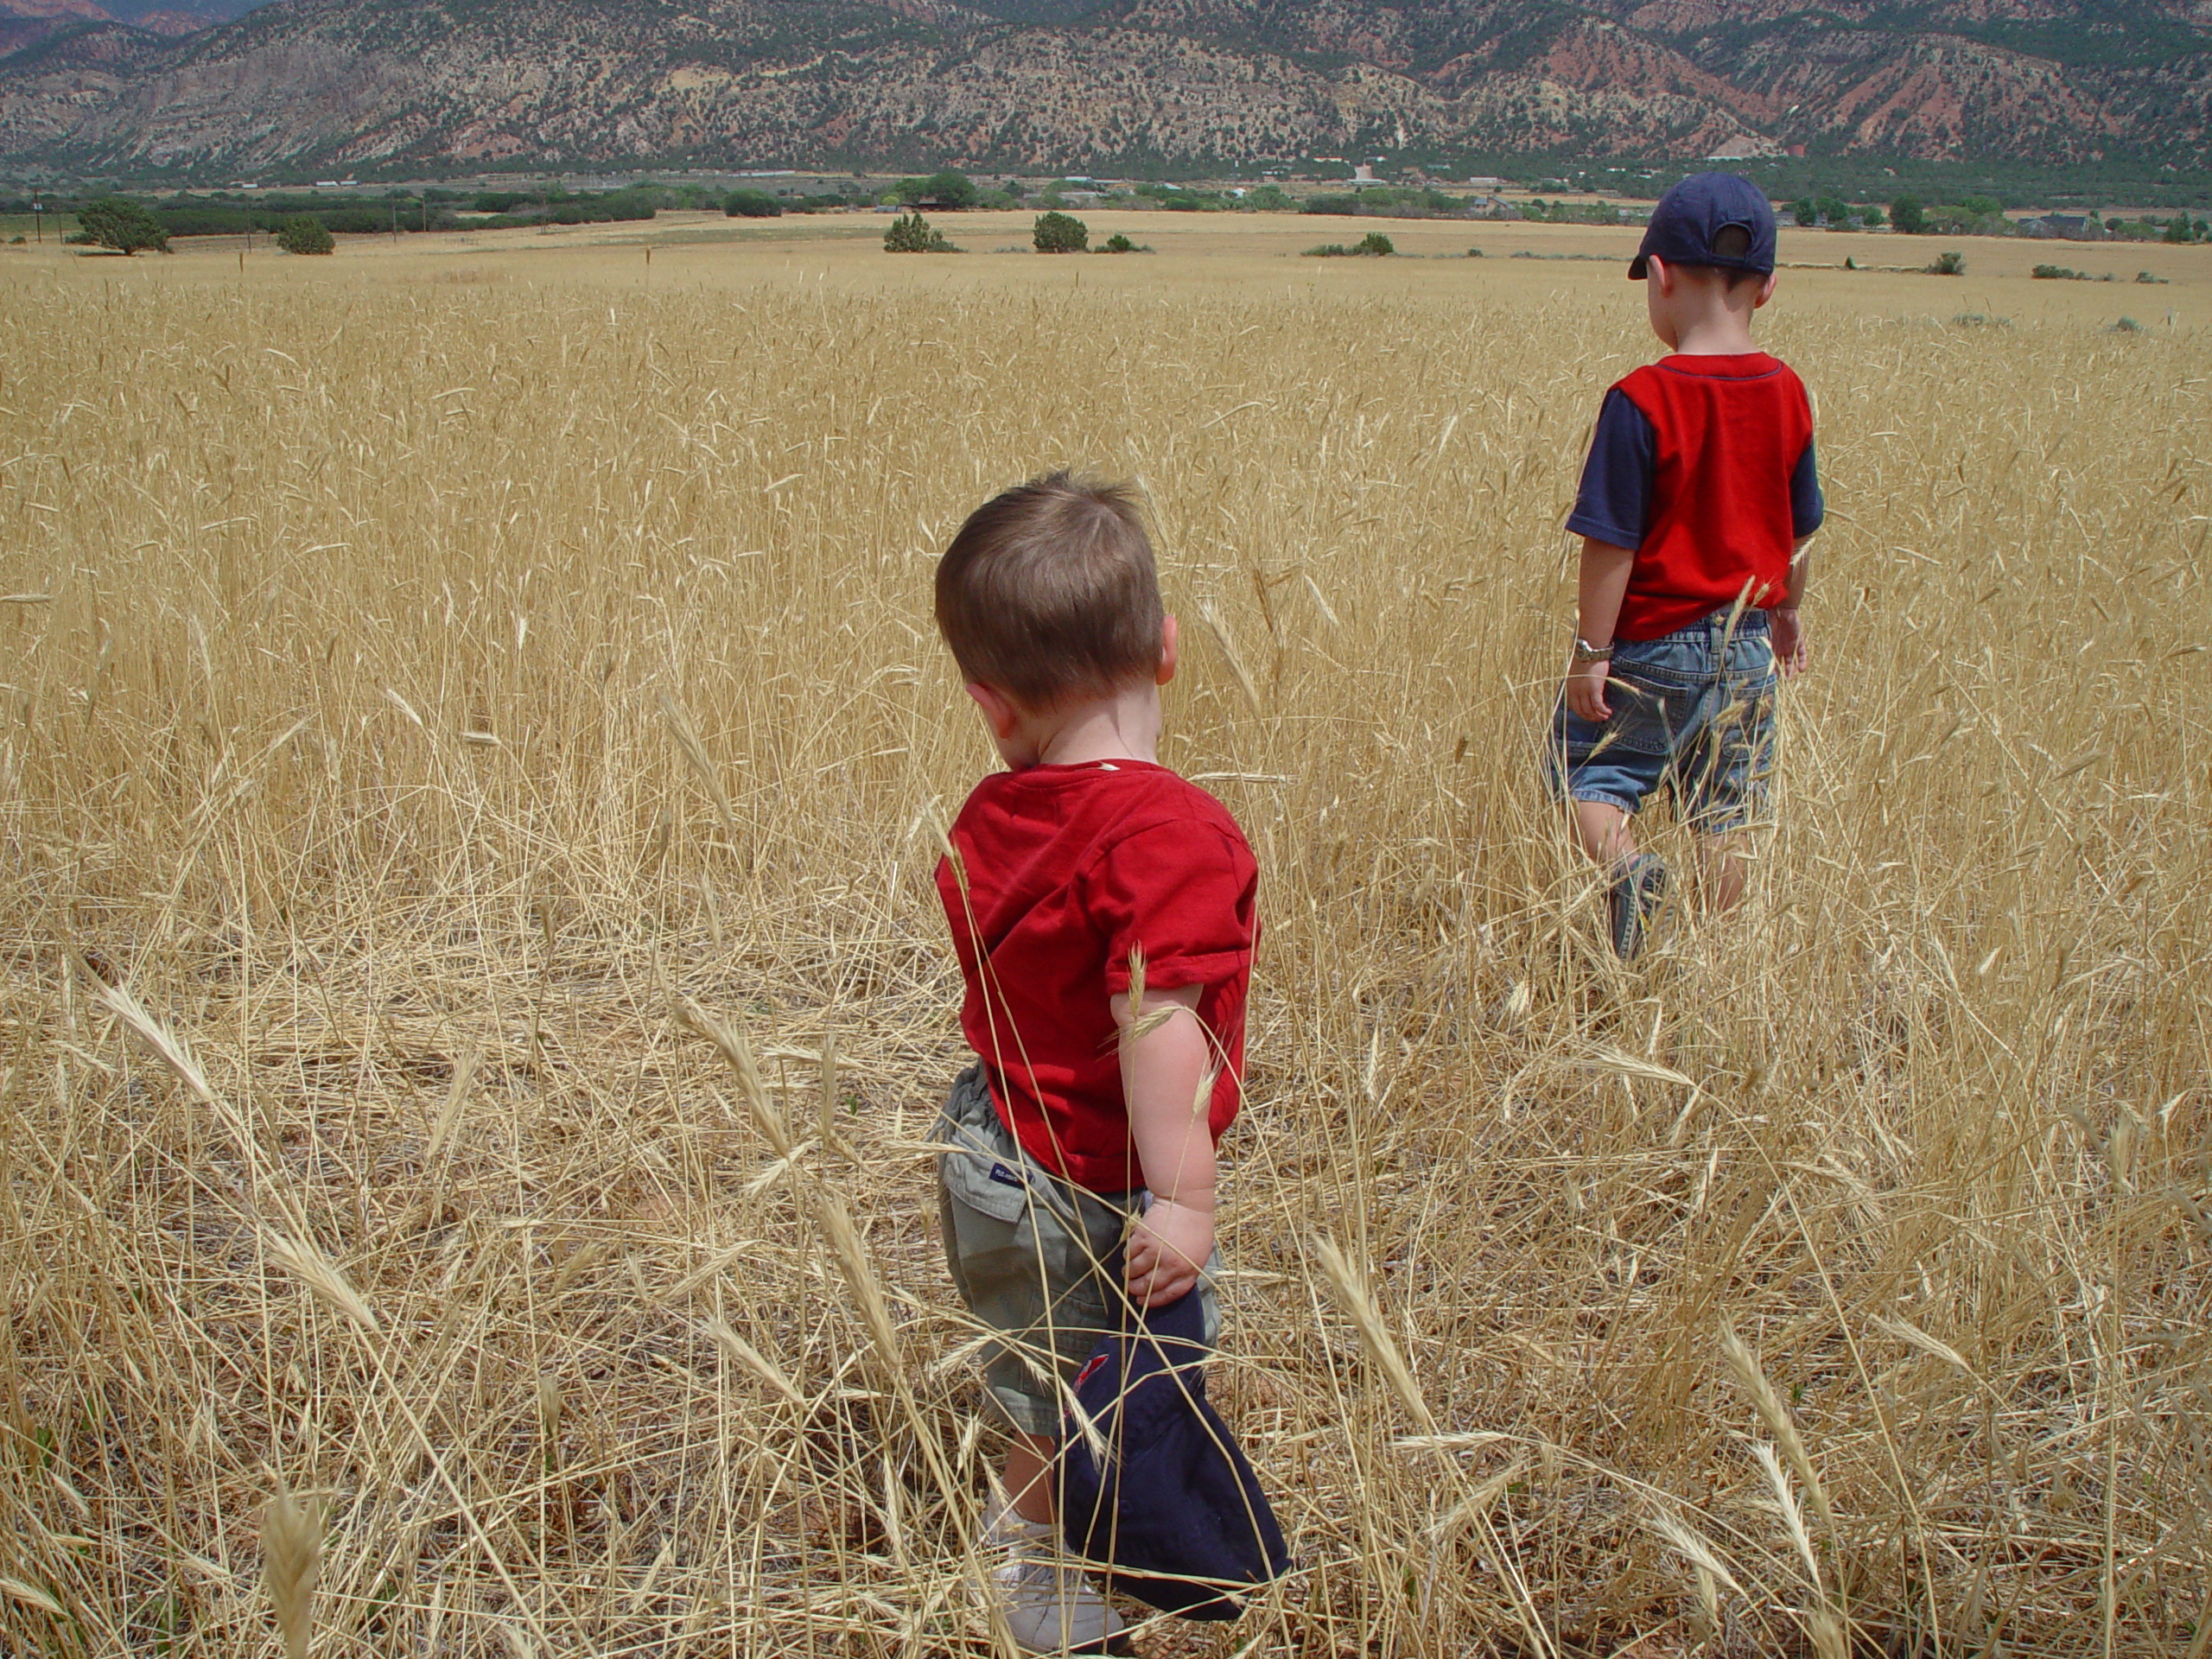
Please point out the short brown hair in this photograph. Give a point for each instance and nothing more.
(1049, 592)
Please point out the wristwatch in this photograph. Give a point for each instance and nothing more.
(1586, 652)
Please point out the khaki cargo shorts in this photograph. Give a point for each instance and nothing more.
(1032, 1256)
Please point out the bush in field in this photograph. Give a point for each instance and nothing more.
(752, 204)
(910, 233)
(1119, 244)
(119, 223)
(1373, 245)
(1060, 233)
(1950, 263)
(306, 234)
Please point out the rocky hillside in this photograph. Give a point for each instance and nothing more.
(1060, 84)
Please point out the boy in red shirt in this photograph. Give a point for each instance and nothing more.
(1697, 501)
(1102, 910)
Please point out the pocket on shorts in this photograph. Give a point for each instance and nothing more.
(1650, 705)
(981, 1165)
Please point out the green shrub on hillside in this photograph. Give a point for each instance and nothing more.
(752, 204)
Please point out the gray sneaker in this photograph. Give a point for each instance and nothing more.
(1050, 1607)
(1636, 893)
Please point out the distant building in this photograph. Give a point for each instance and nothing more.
(1493, 207)
(1365, 174)
(1493, 186)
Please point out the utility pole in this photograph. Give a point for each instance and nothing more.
(38, 219)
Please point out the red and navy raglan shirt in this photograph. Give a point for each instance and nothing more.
(1703, 468)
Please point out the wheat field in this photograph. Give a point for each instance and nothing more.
(473, 758)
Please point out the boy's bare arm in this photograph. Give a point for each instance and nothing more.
(1166, 1059)
(1791, 651)
(1602, 586)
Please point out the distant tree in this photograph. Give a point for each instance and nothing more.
(1873, 217)
(1982, 206)
(951, 189)
(1909, 216)
(1374, 243)
(947, 188)
(119, 223)
(910, 233)
(752, 204)
(1804, 211)
(306, 234)
(1834, 210)
(1060, 233)
(1269, 199)
(1117, 244)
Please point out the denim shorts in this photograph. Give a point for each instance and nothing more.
(1693, 711)
(1035, 1257)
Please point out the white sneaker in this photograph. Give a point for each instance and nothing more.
(1049, 1607)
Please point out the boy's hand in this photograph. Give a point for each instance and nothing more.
(1585, 692)
(1167, 1247)
(1787, 630)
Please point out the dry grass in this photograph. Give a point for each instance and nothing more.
(486, 741)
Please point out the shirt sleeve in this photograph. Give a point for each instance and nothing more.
(1180, 894)
(1808, 507)
(1616, 492)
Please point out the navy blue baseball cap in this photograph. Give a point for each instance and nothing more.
(1151, 1485)
(1686, 226)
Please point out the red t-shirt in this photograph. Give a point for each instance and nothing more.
(1068, 869)
(1704, 466)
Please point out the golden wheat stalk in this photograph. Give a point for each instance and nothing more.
(730, 1040)
(1692, 1547)
(1352, 1294)
(316, 1271)
(292, 1561)
(867, 1291)
(754, 1361)
(1744, 1365)
(171, 1050)
(687, 738)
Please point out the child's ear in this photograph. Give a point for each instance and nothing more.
(998, 708)
(1170, 639)
(1766, 289)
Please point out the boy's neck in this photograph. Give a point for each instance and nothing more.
(1723, 332)
(1702, 312)
(1122, 727)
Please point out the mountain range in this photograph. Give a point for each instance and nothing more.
(1062, 86)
